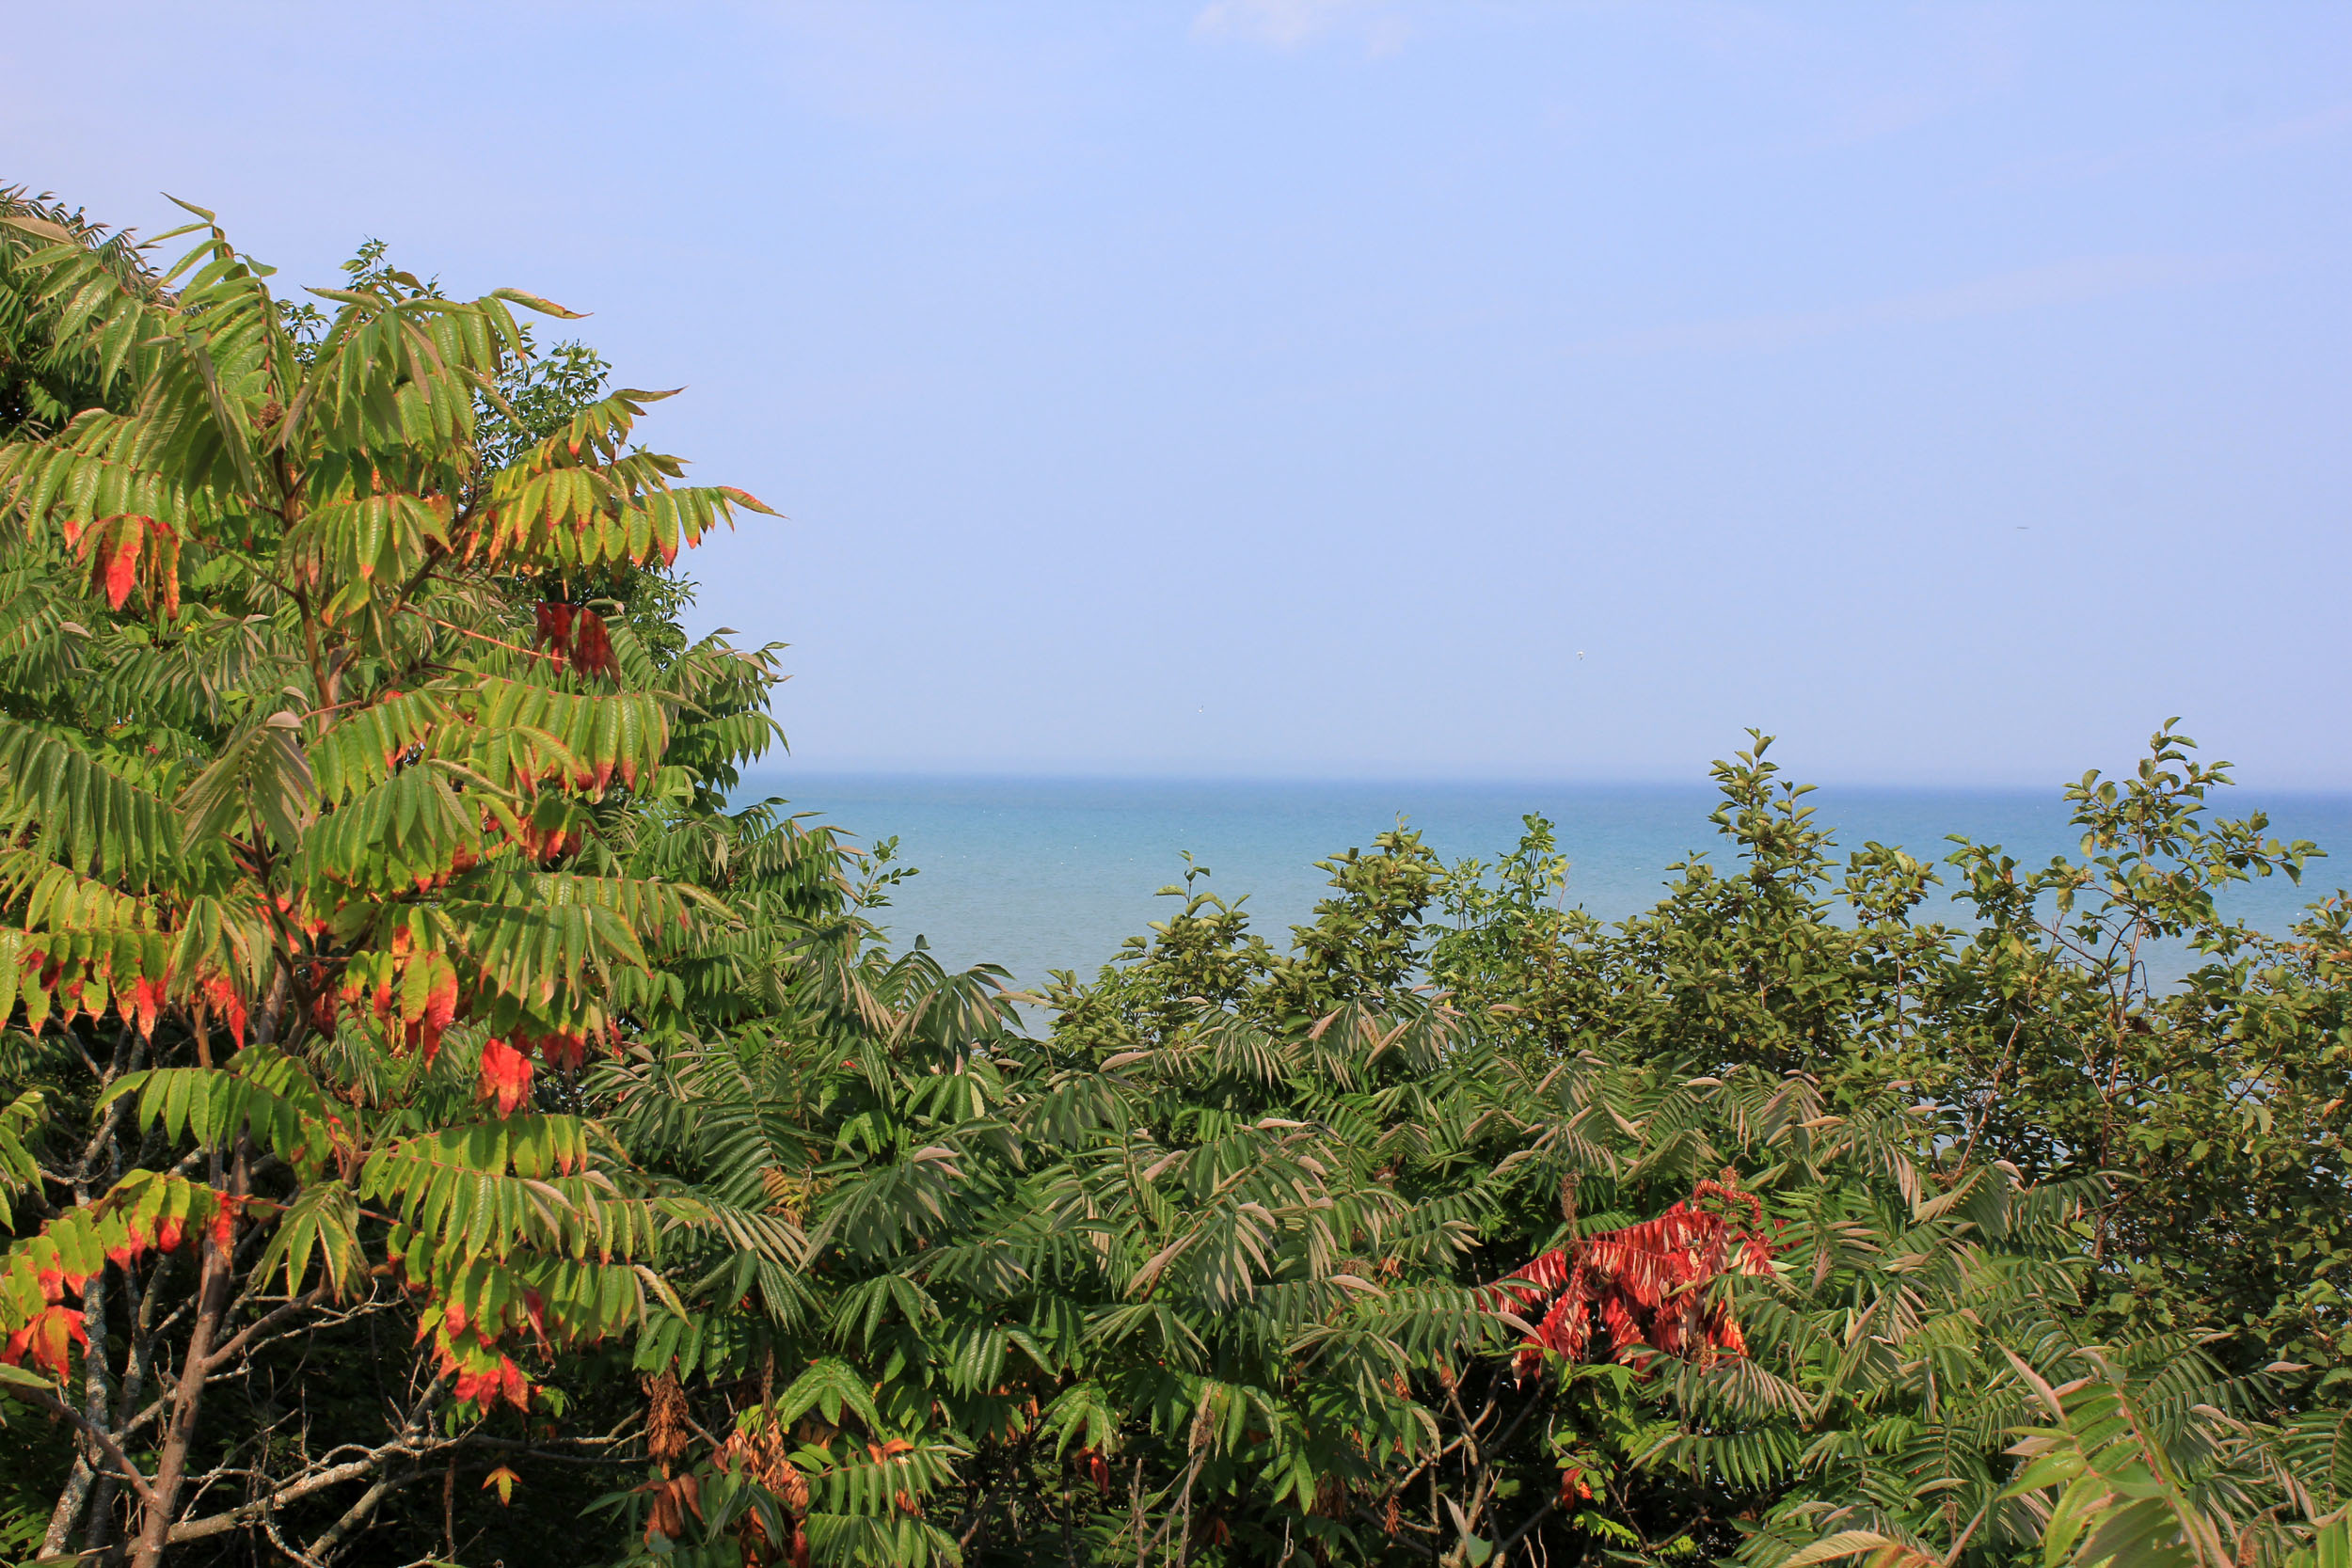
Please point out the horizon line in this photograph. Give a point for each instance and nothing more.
(1368, 778)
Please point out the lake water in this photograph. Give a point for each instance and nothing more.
(1039, 873)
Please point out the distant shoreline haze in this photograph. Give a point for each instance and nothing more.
(1045, 873)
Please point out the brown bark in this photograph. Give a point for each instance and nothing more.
(215, 1289)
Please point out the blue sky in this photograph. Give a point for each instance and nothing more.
(1355, 387)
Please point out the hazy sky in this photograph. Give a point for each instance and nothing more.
(1314, 386)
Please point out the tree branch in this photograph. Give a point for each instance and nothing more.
(402, 1443)
(232, 1347)
(57, 1409)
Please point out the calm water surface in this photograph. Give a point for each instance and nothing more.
(1039, 874)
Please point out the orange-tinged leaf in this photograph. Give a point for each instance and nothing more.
(534, 302)
(505, 1076)
(745, 498)
(45, 1340)
(119, 559)
(146, 999)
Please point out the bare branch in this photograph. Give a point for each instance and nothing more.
(404, 1443)
(57, 1409)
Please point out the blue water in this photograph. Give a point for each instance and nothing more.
(1043, 874)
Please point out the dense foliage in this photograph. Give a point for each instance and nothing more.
(437, 1117)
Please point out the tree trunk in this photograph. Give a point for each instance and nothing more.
(69, 1510)
(214, 1291)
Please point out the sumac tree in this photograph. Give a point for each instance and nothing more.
(328, 872)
